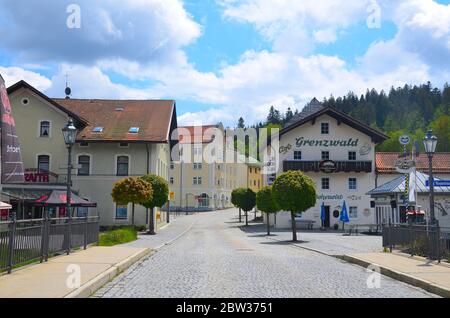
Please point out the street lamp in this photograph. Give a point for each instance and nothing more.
(70, 134)
(430, 143)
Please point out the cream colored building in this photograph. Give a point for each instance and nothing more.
(338, 153)
(116, 139)
(205, 185)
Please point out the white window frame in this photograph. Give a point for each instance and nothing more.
(351, 152)
(356, 184)
(116, 157)
(90, 163)
(298, 152)
(49, 160)
(322, 183)
(350, 214)
(49, 130)
(325, 151)
(115, 212)
(321, 128)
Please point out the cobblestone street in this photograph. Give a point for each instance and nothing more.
(214, 258)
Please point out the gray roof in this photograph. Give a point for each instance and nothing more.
(398, 185)
(313, 107)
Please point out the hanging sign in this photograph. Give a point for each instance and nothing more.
(405, 140)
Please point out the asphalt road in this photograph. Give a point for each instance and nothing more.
(215, 258)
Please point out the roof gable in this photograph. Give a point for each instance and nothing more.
(315, 109)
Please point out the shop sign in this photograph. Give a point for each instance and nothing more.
(328, 166)
(36, 176)
(301, 142)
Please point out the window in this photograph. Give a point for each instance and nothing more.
(352, 184)
(353, 212)
(43, 163)
(134, 130)
(84, 144)
(121, 212)
(198, 166)
(85, 164)
(82, 212)
(352, 155)
(197, 181)
(325, 128)
(97, 129)
(122, 165)
(123, 145)
(297, 155)
(45, 129)
(197, 151)
(325, 183)
(171, 180)
(325, 155)
(172, 166)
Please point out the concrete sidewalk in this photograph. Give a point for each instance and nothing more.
(97, 266)
(416, 271)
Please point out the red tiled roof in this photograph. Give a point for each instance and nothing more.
(196, 134)
(153, 117)
(385, 162)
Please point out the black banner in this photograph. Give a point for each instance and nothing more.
(11, 160)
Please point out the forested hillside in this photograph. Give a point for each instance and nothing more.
(405, 110)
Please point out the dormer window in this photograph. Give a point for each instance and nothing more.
(44, 129)
(134, 130)
(97, 130)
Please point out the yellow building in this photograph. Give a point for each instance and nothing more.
(116, 139)
(254, 176)
(199, 184)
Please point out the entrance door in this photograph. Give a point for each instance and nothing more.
(326, 223)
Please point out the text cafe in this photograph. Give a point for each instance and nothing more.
(338, 153)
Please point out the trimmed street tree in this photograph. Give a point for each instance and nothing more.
(295, 192)
(235, 196)
(267, 204)
(247, 201)
(160, 196)
(131, 190)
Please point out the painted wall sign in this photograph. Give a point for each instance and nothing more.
(327, 166)
(323, 197)
(12, 165)
(302, 142)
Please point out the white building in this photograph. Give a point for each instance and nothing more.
(338, 153)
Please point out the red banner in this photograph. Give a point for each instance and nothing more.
(12, 165)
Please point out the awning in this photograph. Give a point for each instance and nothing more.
(5, 206)
(59, 198)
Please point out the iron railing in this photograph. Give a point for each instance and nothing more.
(432, 242)
(23, 241)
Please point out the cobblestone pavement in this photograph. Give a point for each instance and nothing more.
(216, 259)
(332, 243)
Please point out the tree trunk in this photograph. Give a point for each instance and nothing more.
(255, 214)
(294, 227)
(246, 218)
(240, 215)
(132, 214)
(151, 223)
(268, 224)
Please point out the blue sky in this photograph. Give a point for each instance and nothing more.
(222, 59)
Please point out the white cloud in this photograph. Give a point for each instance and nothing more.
(12, 75)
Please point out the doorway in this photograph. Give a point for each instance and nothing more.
(326, 222)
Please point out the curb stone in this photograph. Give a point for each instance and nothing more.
(403, 277)
(100, 280)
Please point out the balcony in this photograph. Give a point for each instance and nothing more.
(328, 166)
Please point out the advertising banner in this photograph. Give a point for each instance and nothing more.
(11, 159)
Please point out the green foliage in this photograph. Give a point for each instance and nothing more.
(160, 191)
(294, 191)
(132, 190)
(265, 201)
(118, 236)
(244, 199)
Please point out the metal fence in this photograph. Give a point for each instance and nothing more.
(23, 241)
(432, 242)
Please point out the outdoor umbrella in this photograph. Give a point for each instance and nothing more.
(322, 213)
(59, 198)
(344, 216)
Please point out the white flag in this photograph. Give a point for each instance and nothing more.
(412, 186)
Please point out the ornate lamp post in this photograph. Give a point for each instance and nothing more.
(70, 134)
(430, 143)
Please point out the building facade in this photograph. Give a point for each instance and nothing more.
(338, 153)
(199, 184)
(116, 139)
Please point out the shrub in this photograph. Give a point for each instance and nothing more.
(118, 236)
